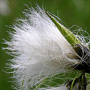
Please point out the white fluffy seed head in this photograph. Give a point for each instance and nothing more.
(39, 50)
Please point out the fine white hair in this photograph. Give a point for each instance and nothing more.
(39, 50)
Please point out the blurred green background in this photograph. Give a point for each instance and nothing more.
(72, 12)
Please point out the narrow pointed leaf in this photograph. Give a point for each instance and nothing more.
(70, 37)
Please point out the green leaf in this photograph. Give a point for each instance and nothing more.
(70, 37)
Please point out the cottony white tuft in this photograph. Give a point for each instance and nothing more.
(62, 87)
(39, 50)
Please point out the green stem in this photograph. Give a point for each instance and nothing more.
(73, 82)
(22, 85)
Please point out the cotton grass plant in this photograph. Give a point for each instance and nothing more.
(44, 52)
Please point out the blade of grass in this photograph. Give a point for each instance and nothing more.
(70, 37)
(40, 84)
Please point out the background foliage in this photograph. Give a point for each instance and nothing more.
(72, 12)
